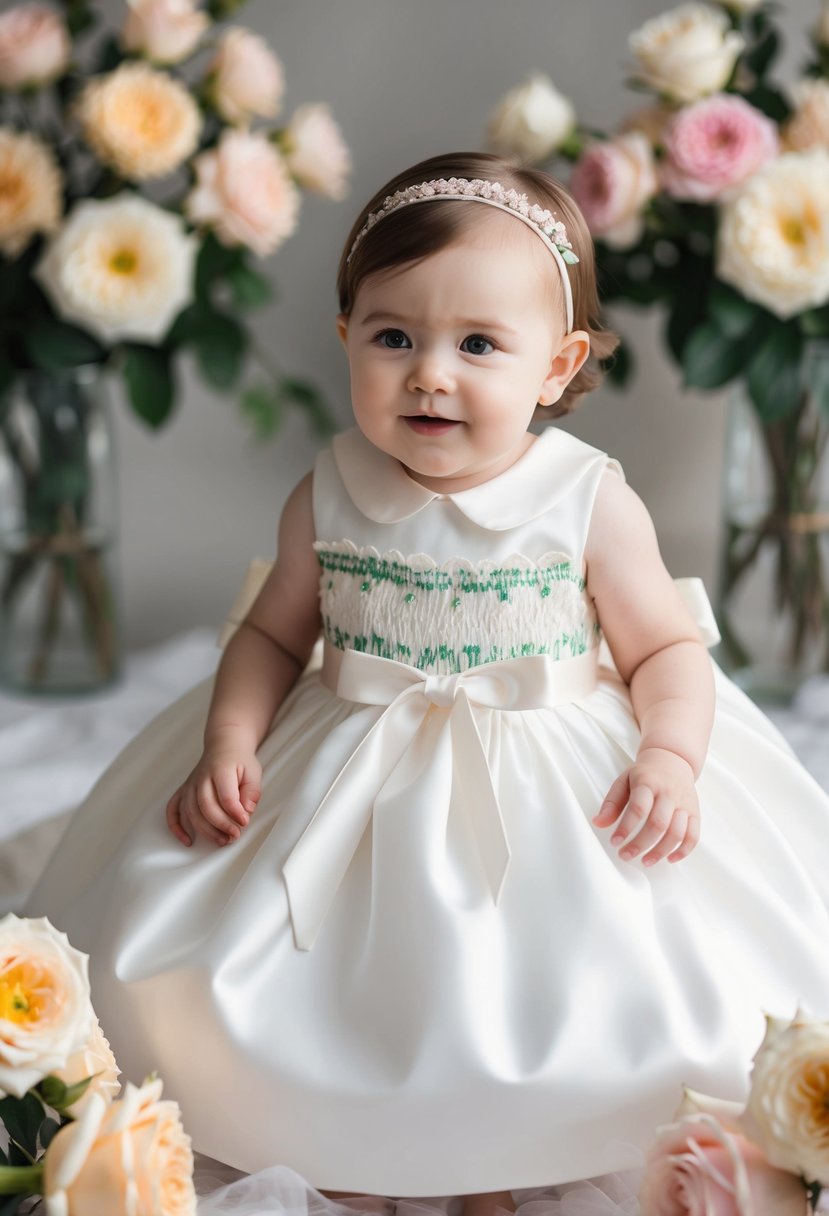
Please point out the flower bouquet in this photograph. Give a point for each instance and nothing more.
(136, 197)
(711, 202)
(66, 1139)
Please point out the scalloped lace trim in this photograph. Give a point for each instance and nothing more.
(423, 561)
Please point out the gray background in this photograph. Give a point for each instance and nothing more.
(405, 81)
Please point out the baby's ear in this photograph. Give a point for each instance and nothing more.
(571, 355)
(342, 328)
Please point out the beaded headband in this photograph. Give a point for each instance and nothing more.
(544, 223)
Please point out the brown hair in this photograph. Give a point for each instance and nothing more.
(413, 233)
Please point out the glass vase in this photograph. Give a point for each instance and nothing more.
(58, 597)
(773, 584)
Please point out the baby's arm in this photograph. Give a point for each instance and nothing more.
(261, 663)
(661, 655)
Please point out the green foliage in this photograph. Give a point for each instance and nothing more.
(619, 366)
(773, 374)
(710, 358)
(149, 380)
(263, 407)
(249, 289)
(817, 381)
(303, 395)
(53, 345)
(220, 343)
(22, 1118)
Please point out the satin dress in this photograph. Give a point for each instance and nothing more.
(422, 970)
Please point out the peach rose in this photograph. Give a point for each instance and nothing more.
(611, 182)
(139, 120)
(687, 52)
(808, 126)
(45, 1006)
(244, 192)
(131, 1156)
(246, 77)
(95, 1059)
(166, 31)
(31, 187)
(532, 120)
(696, 1166)
(821, 31)
(315, 152)
(787, 1112)
(34, 46)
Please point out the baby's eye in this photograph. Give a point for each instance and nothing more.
(477, 344)
(392, 339)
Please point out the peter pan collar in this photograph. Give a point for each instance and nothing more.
(382, 490)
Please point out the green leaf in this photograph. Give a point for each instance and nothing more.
(263, 408)
(10, 1204)
(815, 322)
(732, 313)
(817, 380)
(689, 305)
(773, 374)
(7, 376)
(250, 290)
(53, 345)
(49, 1129)
(52, 1090)
(22, 1118)
(149, 381)
(619, 366)
(184, 328)
(214, 261)
(760, 56)
(221, 343)
(109, 55)
(309, 399)
(710, 358)
(770, 101)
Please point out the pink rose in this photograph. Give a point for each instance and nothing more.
(244, 192)
(34, 46)
(714, 145)
(166, 31)
(315, 151)
(247, 77)
(611, 183)
(696, 1167)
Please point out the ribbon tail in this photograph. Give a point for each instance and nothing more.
(321, 856)
(474, 783)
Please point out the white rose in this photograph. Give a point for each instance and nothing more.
(45, 1005)
(315, 152)
(687, 52)
(246, 77)
(532, 120)
(773, 238)
(166, 31)
(786, 1109)
(34, 46)
(95, 1059)
(741, 6)
(120, 267)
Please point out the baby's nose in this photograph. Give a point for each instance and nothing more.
(430, 373)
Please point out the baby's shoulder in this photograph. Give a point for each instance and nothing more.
(621, 528)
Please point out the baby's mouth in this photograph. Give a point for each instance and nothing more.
(428, 424)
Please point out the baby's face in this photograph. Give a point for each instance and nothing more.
(450, 356)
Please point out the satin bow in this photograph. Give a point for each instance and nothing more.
(320, 858)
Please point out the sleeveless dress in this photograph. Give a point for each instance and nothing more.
(422, 970)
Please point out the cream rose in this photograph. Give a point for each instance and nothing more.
(131, 1156)
(95, 1059)
(822, 28)
(315, 152)
(696, 1165)
(166, 31)
(120, 267)
(773, 238)
(532, 120)
(31, 187)
(687, 52)
(246, 77)
(787, 1112)
(808, 126)
(244, 192)
(139, 120)
(34, 46)
(45, 1006)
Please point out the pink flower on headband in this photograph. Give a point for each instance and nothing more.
(714, 145)
(611, 183)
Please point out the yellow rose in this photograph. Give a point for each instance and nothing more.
(45, 1006)
(139, 120)
(30, 190)
(131, 1156)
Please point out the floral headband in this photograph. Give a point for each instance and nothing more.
(550, 230)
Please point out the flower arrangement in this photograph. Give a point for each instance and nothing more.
(710, 202)
(70, 1139)
(768, 1158)
(137, 195)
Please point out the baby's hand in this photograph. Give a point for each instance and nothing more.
(217, 799)
(662, 807)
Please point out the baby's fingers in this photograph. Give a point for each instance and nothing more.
(229, 795)
(211, 812)
(173, 816)
(614, 802)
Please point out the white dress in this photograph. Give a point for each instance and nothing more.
(422, 970)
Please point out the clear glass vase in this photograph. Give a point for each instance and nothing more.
(59, 607)
(773, 584)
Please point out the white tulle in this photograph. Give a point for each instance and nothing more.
(280, 1191)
